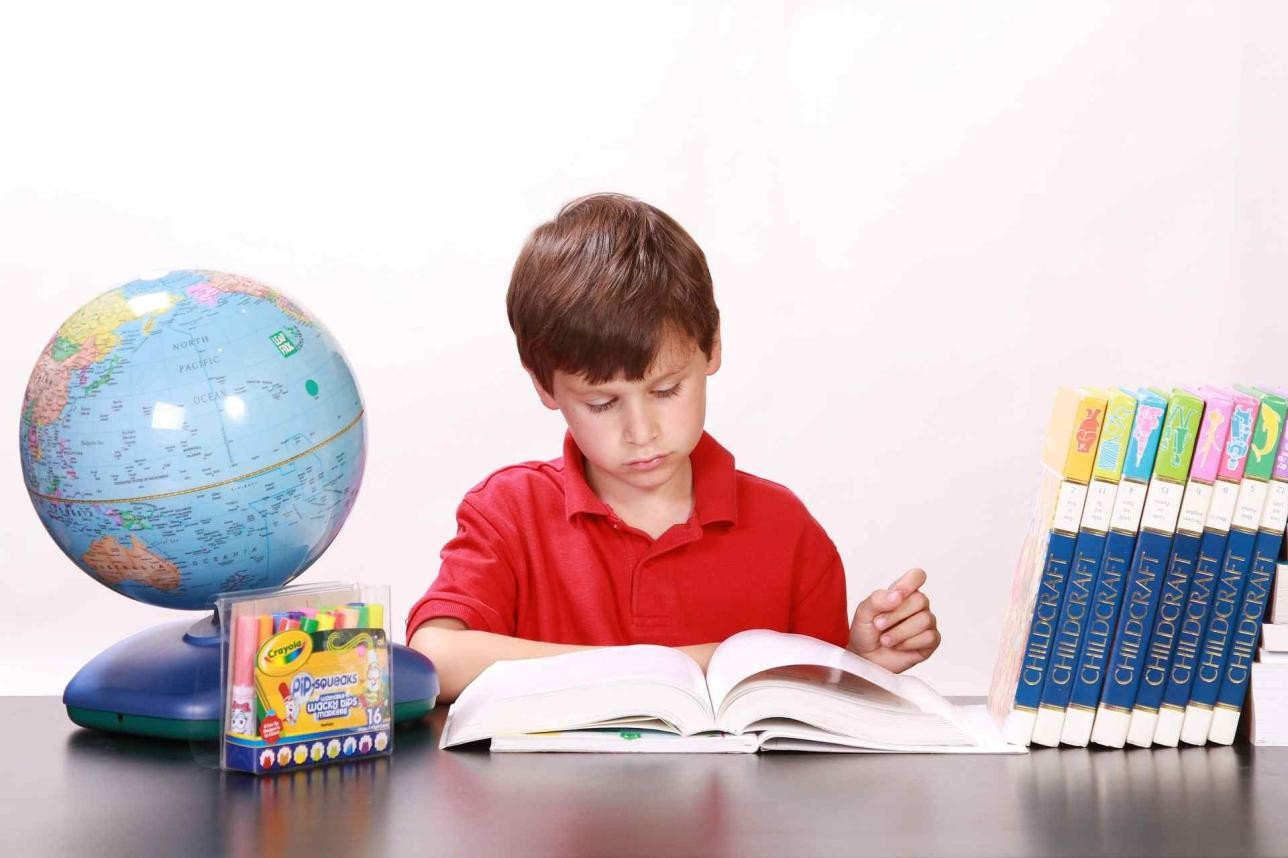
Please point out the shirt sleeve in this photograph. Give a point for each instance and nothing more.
(476, 581)
(818, 604)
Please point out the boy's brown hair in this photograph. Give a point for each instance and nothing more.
(595, 291)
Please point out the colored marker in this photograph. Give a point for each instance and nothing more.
(325, 621)
(264, 622)
(361, 608)
(241, 714)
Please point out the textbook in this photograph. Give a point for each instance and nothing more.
(1153, 549)
(1069, 452)
(1097, 513)
(1240, 545)
(762, 690)
(1213, 433)
(1093, 653)
(1256, 590)
(1216, 530)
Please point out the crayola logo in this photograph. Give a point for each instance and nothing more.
(284, 653)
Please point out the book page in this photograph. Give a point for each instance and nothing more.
(621, 741)
(787, 735)
(751, 652)
(582, 689)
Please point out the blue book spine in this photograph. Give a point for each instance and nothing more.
(1046, 612)
(1218, 638)
(1171, 605)
(1140, 602)
(1247, 629)
(1089, 676)
(1194, 622)
(1087, 555)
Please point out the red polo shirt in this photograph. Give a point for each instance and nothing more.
(538, 555)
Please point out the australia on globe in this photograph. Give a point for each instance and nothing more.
(195, 434)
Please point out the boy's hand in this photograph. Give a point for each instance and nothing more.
(894, 627)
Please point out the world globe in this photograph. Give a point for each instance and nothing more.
(190, 435)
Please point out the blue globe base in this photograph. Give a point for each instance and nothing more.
(164, 683)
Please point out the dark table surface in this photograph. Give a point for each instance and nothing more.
(68, 791)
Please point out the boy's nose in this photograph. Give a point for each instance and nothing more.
(641, 427)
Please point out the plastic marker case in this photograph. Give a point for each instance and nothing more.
(306, 677)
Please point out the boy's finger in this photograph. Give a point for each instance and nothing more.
(863, 634)
(868, 609)
(926, 642)
(906, 608)
(909, 581)
(914, 625)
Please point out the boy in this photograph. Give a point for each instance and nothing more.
(643, 532)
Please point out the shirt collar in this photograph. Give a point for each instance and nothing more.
(715, 487)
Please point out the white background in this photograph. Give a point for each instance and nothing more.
(920, 219)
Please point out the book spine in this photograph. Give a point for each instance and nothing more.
(1218, 639)
(1153, 549)
(1018, 727)
(1162, 639)
(1111, 454)
(1176, 583)
(1189, 640)
(1058, 683)
(1234, 684)
(1180, 678)
(1252, 607)
(1115, 564)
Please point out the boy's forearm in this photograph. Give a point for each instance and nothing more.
(460, 655)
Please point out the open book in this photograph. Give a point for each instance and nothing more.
(762, 690)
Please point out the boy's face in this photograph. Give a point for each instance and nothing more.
(637, 435)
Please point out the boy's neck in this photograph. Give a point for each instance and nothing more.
(652, 510)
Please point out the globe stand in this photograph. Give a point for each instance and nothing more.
(164, 682)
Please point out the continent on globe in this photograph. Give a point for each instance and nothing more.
(114, 564)
(219, 281)
(88, 337)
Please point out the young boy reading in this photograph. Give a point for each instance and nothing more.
(643, 532)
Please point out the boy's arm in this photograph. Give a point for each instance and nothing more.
(460, 655)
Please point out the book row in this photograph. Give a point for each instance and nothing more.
(1142, 584)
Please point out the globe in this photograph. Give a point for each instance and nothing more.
(190, 435)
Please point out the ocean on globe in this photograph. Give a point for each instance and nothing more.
(195, 434)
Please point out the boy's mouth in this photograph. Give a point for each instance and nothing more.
(646, 464)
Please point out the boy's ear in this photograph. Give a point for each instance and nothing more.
(713, 362)
(546, 399)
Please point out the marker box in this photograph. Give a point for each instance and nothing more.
(300, 691)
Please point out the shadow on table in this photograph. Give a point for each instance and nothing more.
(164, 797)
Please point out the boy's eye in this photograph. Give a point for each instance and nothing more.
(673, 390)
(601, 407)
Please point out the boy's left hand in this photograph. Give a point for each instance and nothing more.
(894, 627)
